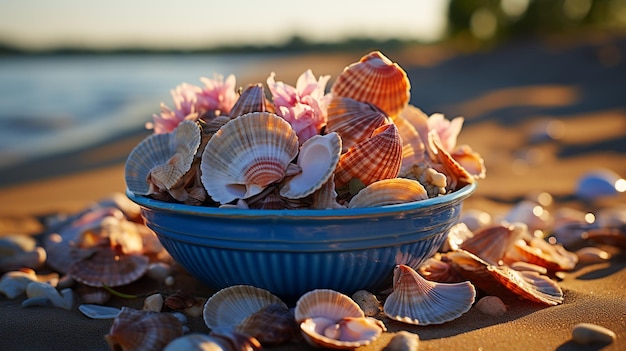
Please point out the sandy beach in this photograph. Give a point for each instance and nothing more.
(542, 113)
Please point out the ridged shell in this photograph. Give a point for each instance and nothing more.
(389, 192)
(470, 160)
(142, 330)
(252, 99)
(317, 160)
(457, 175)
(160, 160)
(107, 266)
(376, 158)
(377, 80)
(418, 301)
(230, 306)
(502, 280)
(345, 334)
(208, 129)
(554, 257)
(272, 325)
(326, 196)
(355, 121)
(413, 149)
(246, 155)
(492, 242)
(326, 303)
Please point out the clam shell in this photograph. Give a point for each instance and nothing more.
(389, 192)
(231, 306)
(252, 99)
(355, 121)
(503, 281)
(142, 330)
(345, 334)
(554, 257)
(317, 159)
(376, 158)
(246, 155)
(107, 266)
(377, 80)
(326, 303)
(160, 160)
(418, 301)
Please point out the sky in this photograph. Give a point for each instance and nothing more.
(43, 24)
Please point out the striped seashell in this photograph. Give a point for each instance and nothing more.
(413, 149)
(272, 325)
(355, 121)
(504, 281)
(143, 330)
(108, 266)
(470, 160)
(252, 99)
(160, 161)
(389, 192)
(246, 155)
(377, 80)
(208, 129)
(554, 257)
(317, 160)
(230, 306)
(418, 301)
(326, 196)
(376, 158)
(491, 243)
(331, 319)
(457, 175)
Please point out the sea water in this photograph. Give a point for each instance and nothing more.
(57, 103)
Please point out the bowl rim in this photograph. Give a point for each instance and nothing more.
(206, 211)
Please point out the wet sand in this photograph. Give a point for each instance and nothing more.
(508, 96)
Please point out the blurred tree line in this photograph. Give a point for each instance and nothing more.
(493, 21)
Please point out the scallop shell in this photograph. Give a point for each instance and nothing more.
(317, 159)
(208, 129)
(503, 281)
(326, 196)
(457, 175)
(418, 301)
(246, 155)
(252, 99)
(355, 121)
(377, 80)
(470, 160)
(326, 303)
(376, 158)
(160, 160)
(492, 242)
(230, 306)
(272, 325)
(346, 334)
(108, 266)
(389, 192)
(413, 148)
(142, 330)
(554, 257)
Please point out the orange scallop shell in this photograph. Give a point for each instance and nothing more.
(377, 80)
(376, 158)
(353, 120)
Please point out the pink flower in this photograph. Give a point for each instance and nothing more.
(447, 130)
(303, 106)
(218, 95)
(185, 98)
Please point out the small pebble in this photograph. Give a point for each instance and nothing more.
(169, 281)
(159, 271)
(491, 305)
(403, 341)
(587, 333)
(592, 254)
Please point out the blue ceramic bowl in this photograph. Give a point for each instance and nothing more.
(290, 252)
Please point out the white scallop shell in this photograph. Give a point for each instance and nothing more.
(317, 159)
(246, 155)
(418, 301)
(345, 334)
(389, 192)
(231, 306)
(326, 303)
(160, 160)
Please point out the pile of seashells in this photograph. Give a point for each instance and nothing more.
(360, 145)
